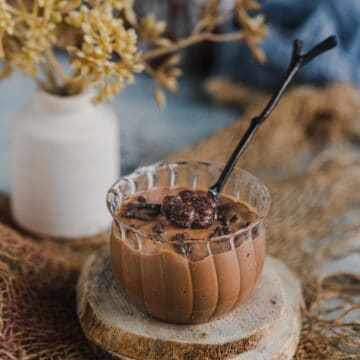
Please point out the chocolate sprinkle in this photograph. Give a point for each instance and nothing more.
(155, 207)
(159, 229)
(168, 203)
(142, 201)
(220, 231)
(131, 210)
(182, 215)
(142, 210)
(234, 219)
(188, 196)
(143, 217)
(225, 221)
(181, 236)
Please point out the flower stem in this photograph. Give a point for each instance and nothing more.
(59, 71)
(49, 75)
(192, 40)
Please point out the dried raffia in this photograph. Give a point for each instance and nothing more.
(37, 277)
(313, 174)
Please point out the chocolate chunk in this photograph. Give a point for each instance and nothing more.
(144, 217)
(224, 207)
(155, 207)
(226, 230)
(131, 210)
(181, 247)
(225, 220)
(142, 204)
(142, 201)
(131, 213)
(181, 236)
(182, 215)
(188, 196)
(168, 203)
(255, 231)
(142, 210)
(211, 202)
(220, 231)
(204, 213)
(159, 229)
(189, 209)
(234, 219)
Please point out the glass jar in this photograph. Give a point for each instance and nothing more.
(193, 280)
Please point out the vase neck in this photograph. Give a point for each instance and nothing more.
(62, 104)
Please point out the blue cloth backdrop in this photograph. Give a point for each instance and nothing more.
(311, 21)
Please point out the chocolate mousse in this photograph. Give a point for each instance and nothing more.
(184, 258)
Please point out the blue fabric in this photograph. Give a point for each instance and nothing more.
(311, 21)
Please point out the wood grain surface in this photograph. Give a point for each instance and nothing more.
(112, 323)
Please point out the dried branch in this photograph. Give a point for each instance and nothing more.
(59, 71)
(195, 39)
(105, 49)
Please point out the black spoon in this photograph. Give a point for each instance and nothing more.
(296, 63)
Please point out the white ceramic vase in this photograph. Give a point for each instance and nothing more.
(65, 155)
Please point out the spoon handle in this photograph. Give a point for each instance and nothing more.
(297, 61)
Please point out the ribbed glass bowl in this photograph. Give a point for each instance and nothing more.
(195, 280)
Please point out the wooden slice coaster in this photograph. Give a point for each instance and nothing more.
(267, 326)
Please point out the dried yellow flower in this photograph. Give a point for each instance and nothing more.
(248, 5)
(27, 32)
(7, 24)
(150, 28)
(167, 73)
(121, 8)
(108, 55)
(254, 26)
(105, 37)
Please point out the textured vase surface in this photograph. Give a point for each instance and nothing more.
(65, 154)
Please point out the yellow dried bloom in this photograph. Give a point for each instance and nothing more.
(7, 24)
(108, 55)
(104, 35)
(113, 4)
(248, 5)
(254, 26)
(150, 28)
(121, 8)
(167, 73)
(38, 37)
(6, 19)
(27, 31)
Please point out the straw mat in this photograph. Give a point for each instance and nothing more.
(308, 155)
